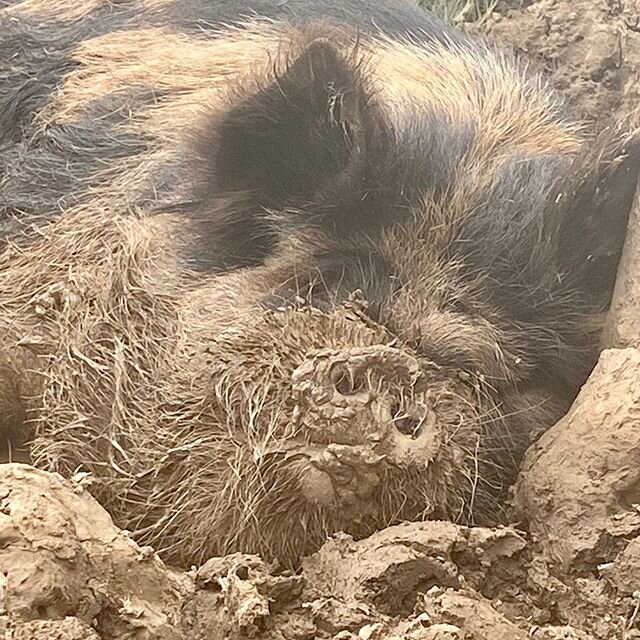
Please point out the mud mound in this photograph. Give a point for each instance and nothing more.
(591, 50)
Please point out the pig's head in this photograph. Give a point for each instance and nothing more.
(483, 234)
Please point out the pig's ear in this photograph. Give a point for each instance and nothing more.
(590, 213)
(302, 141)
(302, 136)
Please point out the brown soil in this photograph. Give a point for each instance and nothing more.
(569, 570)
(591, 49)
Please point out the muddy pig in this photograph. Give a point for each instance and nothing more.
(276, 271)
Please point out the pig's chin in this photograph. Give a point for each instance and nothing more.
(349, 483)
(343, 478)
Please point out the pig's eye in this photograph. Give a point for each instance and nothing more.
(406, 424)
(347, 383)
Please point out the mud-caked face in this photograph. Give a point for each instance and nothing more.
(341, 428)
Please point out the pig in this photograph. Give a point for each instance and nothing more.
(272, 271)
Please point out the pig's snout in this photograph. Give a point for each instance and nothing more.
(358, 394)
(372, 417)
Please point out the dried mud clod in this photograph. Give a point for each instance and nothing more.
(62, 556)
(580, 484)
(69, 574)
(392, 567)
(67, 629)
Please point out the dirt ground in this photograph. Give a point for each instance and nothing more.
(590, 49)
(568, 568)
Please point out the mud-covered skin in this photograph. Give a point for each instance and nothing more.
(316, 275)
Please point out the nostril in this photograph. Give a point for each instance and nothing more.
(242, 572)
(346, 382)
(406, 424)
